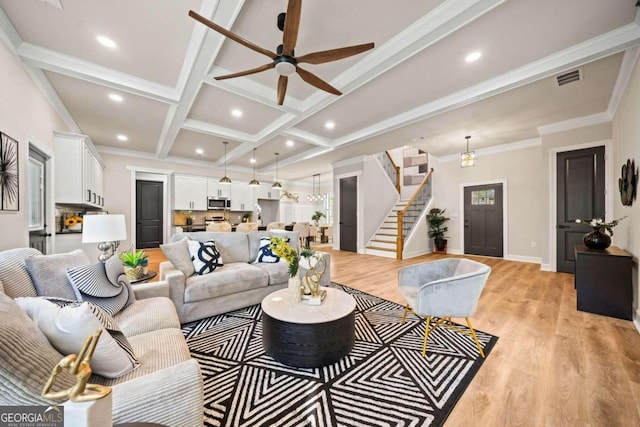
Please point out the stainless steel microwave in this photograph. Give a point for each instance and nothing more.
(218, 203)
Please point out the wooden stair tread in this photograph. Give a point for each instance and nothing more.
(381, 249)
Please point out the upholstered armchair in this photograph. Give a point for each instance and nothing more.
(245, 227)
(275, 226)
(219, 226)
(443, 289)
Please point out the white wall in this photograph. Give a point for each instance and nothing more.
(379, 196)
(25, 115)
(626, 138)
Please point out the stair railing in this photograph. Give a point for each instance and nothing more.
(390, 167)
(422, 194)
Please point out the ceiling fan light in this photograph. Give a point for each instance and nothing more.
(285, 68)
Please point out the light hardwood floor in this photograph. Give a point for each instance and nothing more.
(552, 365)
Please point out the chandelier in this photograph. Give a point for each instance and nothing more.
(316, 196)
(467, 159)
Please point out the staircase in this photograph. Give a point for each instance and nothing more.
(385, 241)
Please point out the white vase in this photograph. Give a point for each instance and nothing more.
(294, 289)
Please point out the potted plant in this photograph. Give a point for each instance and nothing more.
(316, 217)
(437, 228)
(133, 263)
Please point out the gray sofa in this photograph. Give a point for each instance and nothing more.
(166, 388)
(239, 283)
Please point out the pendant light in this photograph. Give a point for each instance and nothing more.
(277, 184)
(467, 159)
(254, 182)
(225, 179)
(316, 196)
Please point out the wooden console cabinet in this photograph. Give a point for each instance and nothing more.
(603, 281)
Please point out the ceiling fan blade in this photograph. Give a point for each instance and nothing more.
(291, 26)
(282, 88)
(246, 72)
(231, 35)
(334, 54)
(316, 81)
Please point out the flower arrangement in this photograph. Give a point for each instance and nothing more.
(72, 221)
(599, 224)
(281, 248)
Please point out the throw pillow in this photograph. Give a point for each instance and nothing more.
(26, 358)
(205, 256)
(94, 286)
(67, 324)
(265, 254)
(49, 273)
(178, 254)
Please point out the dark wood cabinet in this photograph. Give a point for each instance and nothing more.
(603, 281)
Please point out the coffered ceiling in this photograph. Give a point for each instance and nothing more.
(414, 88)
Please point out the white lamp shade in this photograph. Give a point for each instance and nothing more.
(103, 228)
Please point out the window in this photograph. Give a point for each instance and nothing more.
(36, 194)
(483, 197)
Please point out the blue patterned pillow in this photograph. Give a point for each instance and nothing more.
(265, 254)
(205, 256)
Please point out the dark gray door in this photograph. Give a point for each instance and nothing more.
(37, 205)
(483, 220)
(148, 214)
(580, 195)
(349, 214)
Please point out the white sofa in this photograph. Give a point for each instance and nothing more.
(239, 283)
(166, 388)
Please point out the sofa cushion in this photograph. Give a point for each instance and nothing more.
(26, 358)
(204, 256)
(13, 272)
(67, 324)
(146, 315)
(178, 254)
(233, 247)
(49, 273)
(265, 254)
(278, 272)
(234, 277)
(94, 286)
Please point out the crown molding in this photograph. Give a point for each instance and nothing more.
(502, 148)
(348, 162)
(626, 69)
(578, 122)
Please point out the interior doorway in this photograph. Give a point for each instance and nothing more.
(149, 214)
(349, 214)
(483, 220)
(580, 190)
(37, 203)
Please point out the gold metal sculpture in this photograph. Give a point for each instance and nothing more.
(314, 274)
(292, 196)
(78, 365)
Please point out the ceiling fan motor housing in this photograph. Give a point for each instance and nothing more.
(285, 65)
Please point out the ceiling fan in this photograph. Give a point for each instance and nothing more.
(284, 61)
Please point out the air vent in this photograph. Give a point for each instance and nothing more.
(54, 3)
(569, 77)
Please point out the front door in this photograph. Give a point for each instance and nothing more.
(349, 214)
(37, 207)
(149, 216)
(483, 220)
(580, 195)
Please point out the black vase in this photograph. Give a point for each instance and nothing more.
(597, 239)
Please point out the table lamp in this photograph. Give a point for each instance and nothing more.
(106, 230)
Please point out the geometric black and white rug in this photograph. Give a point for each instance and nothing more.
(383, 381)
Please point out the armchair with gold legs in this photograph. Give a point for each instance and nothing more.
(442, 289)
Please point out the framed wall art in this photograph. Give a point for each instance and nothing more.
(414, 166)
(9, 174)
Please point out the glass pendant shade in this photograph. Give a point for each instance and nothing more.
(468, 158)
(316, 196)
(225, 179)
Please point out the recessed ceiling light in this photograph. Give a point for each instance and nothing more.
(236, 113)
(106, 41)
(417, 138)
(115, 97)
(290, 143)
(122, 137)
(199, 151)
(330, 125)
(473, 56)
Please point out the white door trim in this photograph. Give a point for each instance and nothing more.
(149, 174)
(50, 197)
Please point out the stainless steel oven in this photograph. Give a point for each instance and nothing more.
(218, 203)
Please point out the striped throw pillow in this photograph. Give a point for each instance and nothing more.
(92, 283)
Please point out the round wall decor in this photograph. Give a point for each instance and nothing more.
(628, 182)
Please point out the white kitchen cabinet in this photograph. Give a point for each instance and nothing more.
(217, 189)
(242, 198)
(78, 171)
(266, 192)
(189, 193)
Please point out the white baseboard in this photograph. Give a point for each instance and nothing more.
(520, 258)
(453, 251)
(636, 320)
(546, 267)
(407, 255)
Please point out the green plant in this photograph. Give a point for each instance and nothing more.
(133, 258)
(316, 216)
(437, 228)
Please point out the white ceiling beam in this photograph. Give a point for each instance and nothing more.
(215, 130)
(304, 136)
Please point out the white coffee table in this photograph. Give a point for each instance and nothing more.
(308, 336)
